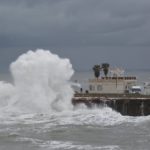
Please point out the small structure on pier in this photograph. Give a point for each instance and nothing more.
(116, 83)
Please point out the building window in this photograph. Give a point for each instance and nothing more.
(92, 88)
(99, 88)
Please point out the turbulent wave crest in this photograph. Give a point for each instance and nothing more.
(41, 83)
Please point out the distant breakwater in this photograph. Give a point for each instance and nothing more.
(126, 104)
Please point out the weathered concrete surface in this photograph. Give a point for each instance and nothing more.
(132, 105)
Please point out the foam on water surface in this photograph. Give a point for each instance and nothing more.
(65, 145)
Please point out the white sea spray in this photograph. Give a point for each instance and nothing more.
(41, 83)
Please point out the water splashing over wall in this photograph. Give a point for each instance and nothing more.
(41, 83)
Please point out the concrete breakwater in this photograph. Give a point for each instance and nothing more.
(126, 104)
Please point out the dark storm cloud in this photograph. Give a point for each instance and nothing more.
(99, 29)
(75, 22)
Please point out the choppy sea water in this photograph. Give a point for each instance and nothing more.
(80, 129)
(77, 129)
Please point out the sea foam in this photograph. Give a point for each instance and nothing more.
(40, 83)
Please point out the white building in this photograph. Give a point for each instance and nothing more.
(111, 85)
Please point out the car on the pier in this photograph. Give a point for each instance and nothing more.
(135, 90)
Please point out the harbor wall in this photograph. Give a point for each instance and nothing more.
(131, 105)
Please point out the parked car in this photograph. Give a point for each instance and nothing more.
(135, 90)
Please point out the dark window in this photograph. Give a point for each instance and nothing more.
(99, 88)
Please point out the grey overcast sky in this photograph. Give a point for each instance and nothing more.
(85, 31)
